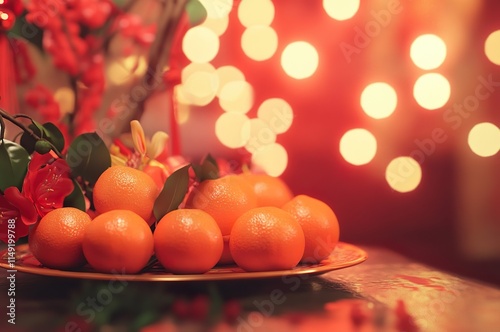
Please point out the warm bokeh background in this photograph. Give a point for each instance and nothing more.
(452, 218)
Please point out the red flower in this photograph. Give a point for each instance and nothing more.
(14, 206)
(47, 183)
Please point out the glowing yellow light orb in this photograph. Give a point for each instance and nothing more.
(299, 60)
(277, 113)
(484, 139)
(236, 96)
(341, 9)
(231, 129)
(255, 12)
(200, 44)
(271, 159)
(431, 91)
(217, 25)
(200, 87)
(260, 135)
(123, 70)
(183, 102)
(403, 174)
(66, 99)
(492, 47)
(228, 74)
(196, 67)
(217, 8)
(180, 95)
(259, 42)
(428, 51)
(358, 146)
(379, 100)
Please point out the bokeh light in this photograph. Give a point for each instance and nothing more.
(484, 139)
(431, 91)
(228, 74)
(196, 67)
(299, 60)
(200, 44)
(217, 8)
(277, 113)
(403, 174)
(231, 129)
(183, 109)
(379, 100)
(492, 47)
(341, 9)
(65, 97)
(358, 146)
(236, 96)
(200, 87)
(256, 12)
(271, 159)
(260, 135)
(200, 83)
(259, 42)
(217, 25)
(121, 71)
(428, 51)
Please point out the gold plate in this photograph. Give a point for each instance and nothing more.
(343, 256)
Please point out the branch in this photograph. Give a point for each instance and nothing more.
(160, 49)
(13, 120)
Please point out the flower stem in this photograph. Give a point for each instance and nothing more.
(13, 120)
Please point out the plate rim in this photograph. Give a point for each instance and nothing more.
(211, 275)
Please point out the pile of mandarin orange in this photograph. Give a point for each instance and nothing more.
(251, 220)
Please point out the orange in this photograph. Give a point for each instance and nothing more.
(56, 240)
(118, 241)
(266, 239)
(125, 188)
(320, 226)
(270, 190)
(225, 199)
(188, 241)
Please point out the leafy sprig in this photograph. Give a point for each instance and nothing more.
(177, 185)
(87, 155)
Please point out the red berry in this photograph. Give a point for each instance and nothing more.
(15, 5)
(199, 308)
(7, 19)
(180, 308)
(232, 310)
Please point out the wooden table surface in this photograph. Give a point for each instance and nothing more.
(385, 293)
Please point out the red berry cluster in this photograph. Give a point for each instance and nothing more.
(66, 38)
(62, 22)
(42, 99)
(132, 27)
(9, 9)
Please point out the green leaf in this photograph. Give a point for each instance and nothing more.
(145, 318)
(76, 198)
(48, 131)
(27, 141)
(88, 157)
(196, 12)
(173, 192)
(207, 170)
(54, 135)
(27, 31)
(14, 161)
